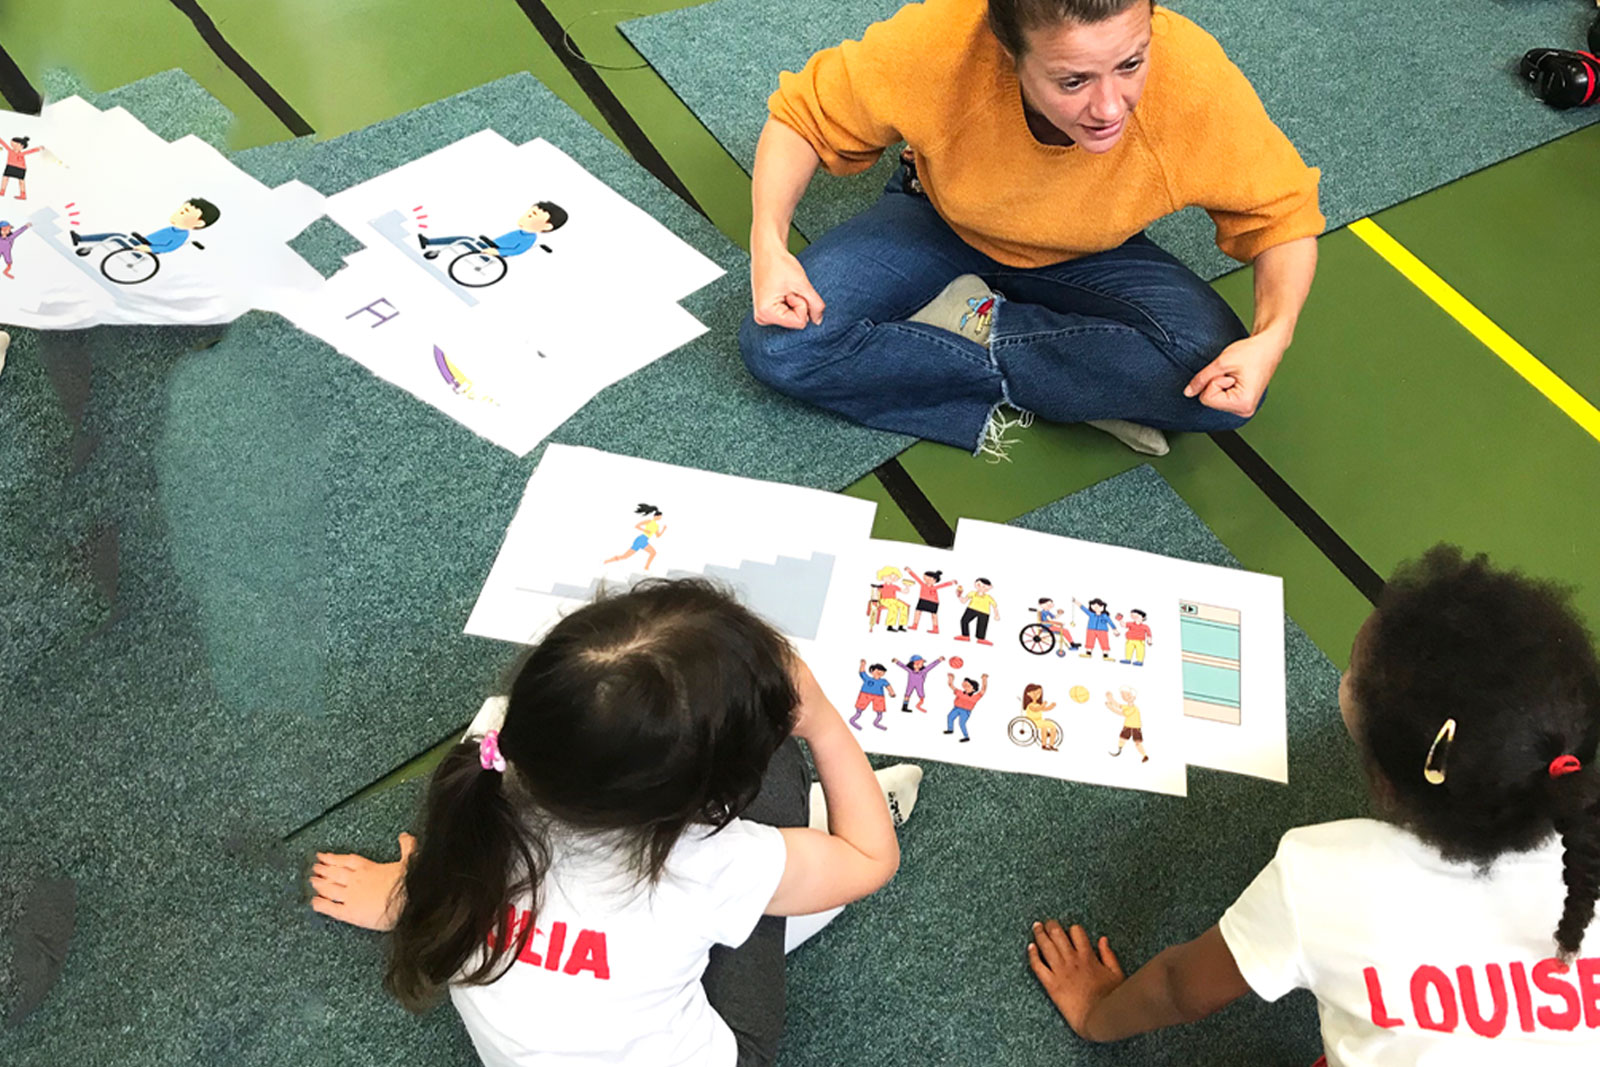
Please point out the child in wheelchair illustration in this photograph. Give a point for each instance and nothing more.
(135, 258)
(1049, 634)
(480, 261)
(1031, 727)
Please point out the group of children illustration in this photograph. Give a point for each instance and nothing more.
(885, 606)
(1028, 728)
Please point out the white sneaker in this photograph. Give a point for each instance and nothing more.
(1145, 440)
(964, 307)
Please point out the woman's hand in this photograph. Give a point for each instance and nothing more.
(355, 890)
(1236, 380)
(781, 293)
(1075, 974)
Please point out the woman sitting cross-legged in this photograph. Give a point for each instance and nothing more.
(1006, 263)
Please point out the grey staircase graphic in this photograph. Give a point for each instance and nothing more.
(789, 593)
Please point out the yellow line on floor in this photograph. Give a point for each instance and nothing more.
(1502, 344)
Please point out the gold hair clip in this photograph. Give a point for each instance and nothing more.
(1434, 771)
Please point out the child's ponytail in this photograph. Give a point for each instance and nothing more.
(480, 848)
(1575, 797)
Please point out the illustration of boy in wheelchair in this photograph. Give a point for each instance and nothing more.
(1049, 634)
(1031, 727)
(481, 261)
(135, 258)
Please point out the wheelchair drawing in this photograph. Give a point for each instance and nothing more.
(1023, 732)
(1042, 638)
(131, 260)
(476, 264)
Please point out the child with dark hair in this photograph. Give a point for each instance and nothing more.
(928, 585)
(966, 698)
(873, 687)
(1458, 927)
(1096, 628)
(592, 873)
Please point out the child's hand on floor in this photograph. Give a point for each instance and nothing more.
(356, 890)
(1074, 974)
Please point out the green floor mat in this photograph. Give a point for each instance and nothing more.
(1333, 76)
(194, 947)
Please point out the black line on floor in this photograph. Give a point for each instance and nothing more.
(366, 790)
(1302, 514)
(240, 66)
(605, 101)
(14, 86)
(925, 518)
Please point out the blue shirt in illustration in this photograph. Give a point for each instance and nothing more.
(871, 686)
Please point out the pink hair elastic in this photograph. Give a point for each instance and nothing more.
(1564, 765)
(489, 757)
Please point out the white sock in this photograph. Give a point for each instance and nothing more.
(899, 784)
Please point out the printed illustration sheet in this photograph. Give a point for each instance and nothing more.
(591, 519)
(121, 226)
(1014, 650)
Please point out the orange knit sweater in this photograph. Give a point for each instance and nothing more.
(934, 76)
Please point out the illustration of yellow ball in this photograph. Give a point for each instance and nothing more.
(1079, 694)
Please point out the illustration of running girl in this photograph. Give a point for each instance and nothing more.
(928, 586)
(651, 528)
(916, 677)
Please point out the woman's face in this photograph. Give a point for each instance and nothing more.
(1085, 78)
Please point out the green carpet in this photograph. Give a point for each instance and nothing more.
(194, 947)
(1390, 100)
(295, 536)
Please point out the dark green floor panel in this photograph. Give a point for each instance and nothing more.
(1518, 241)
(891, 523)
(347, 65)
(716, 180)
(1401, 430)
(112, 44)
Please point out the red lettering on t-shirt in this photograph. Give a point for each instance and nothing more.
(1519, 986)
(589, 954)
(1544, 976)
(558, 941)
(1380, 1014)
(528, 955)
(1496, 1022)
(1589, 990)
(1422, 979)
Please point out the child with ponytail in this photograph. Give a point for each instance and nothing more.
(1457, 928)
(592, 873)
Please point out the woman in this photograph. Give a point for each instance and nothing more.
(1005, 263)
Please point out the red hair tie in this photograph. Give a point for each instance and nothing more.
(1563, 765)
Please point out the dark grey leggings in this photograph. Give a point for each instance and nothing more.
(745, 984)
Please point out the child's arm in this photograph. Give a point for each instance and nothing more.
(356, 890)
(859, 853)
(1182, 984)
(983, 686)
(950, 680)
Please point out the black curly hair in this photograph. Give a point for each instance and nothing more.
(1510, 660)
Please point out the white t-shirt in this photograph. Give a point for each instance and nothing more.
(1415, 960)
(612, 974)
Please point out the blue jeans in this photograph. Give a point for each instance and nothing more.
(1117, 334)
(957, 717)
